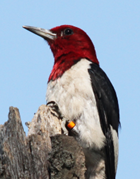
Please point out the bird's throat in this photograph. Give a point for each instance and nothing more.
(60, 66)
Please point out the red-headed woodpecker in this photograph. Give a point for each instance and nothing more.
(85, 96)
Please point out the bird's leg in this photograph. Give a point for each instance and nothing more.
(68, 127)
(71, 127)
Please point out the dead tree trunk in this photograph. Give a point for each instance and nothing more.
(45, 153)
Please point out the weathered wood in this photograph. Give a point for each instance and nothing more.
(14, 156)
(66, 159)
(44, 154)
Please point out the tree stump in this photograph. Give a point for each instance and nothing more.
(45, 153)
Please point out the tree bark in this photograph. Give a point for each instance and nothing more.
(45, 153)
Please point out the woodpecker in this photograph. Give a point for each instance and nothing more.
(85, 96)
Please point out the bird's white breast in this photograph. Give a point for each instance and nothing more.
(74, 95)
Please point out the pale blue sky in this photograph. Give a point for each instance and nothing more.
(26, 60)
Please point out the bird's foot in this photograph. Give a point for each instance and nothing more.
(55, 109)
(56, 112)
(68, 127)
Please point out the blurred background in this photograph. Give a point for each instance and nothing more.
(26, 60)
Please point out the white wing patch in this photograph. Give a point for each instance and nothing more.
(116, 145)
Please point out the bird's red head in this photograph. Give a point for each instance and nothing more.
(72, 41)
(69, 44)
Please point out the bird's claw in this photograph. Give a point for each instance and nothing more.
(55, 109)
(64, 124)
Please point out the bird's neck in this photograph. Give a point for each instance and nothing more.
(61, 65)
(64, 60)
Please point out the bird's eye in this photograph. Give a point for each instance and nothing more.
(68, 31)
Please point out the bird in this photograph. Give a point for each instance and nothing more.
(82, 94)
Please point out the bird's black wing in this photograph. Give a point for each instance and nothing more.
(108, 110)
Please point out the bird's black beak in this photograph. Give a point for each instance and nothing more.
(46, 34)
